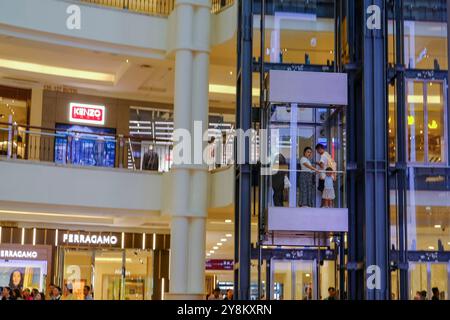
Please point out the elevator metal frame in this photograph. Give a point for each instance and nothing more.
(367, 114)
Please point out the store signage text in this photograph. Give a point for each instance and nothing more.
(70, 238)
(219, 265)
(22, 254)
(86, 113)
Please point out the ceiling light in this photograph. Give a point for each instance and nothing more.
(211, 251)
(208, 254)
(431, 247)
(307, 275)
(231, 73)
(128, 61)
(219, 244)
(228, 221)
(223, 89)
(215, 248)
(228, 235)
(437, 226)
(56, 71)
(448, 243)
(223, 240)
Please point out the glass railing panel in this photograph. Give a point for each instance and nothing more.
(307, 188)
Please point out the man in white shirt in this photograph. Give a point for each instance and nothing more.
(324, 162)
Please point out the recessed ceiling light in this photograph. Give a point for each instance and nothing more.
(437, 226)
(219, 244)
(223, 240)
(56, 71)
(431, 247)
(307, 275)
(215, 248)
(211, 251)
(228, 235)
(231, 73)
(208, 254)
(228, 221)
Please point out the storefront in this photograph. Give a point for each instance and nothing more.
(116, 265)
(24, 266)
(14, 107)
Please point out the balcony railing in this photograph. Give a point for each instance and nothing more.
(89, 149)
(154, 7)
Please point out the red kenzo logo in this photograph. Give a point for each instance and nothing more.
(84, 113)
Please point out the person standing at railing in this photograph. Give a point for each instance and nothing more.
(306, 179)
(326, 160)
(278, 182)
(328, 194)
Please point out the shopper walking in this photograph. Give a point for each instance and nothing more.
(215, 295)
(306, 179)
(229, 295)
(56, 293)
(435, 296)
(331, 294)
(87, 293)
(6, 293)
(68, 292)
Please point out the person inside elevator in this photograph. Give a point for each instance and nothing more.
(325, 162)
(278, 181)
(307, 179)
(151, 160)
(328, 194)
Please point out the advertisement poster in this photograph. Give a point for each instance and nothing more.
(89, 146)
(22, 274)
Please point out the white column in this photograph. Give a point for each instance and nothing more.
(179, 255)
(190, 181)
(196, 266)
(37, 101)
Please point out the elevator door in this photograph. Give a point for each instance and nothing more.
(294, 280)
(424, 276)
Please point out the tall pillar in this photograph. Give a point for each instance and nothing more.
(190, 180)
(37, 100)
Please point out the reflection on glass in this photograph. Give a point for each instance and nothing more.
(435, 127)
(138, 277)
(426, 45)
(439, 279)
(78, 270)
(415, 122)
(108, 275)
(304, 288)
(392, 126)
(418, 279)
(282, 280)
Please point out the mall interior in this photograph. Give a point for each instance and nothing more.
(92, 91)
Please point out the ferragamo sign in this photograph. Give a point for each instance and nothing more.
(87, 113)
(89, 239)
